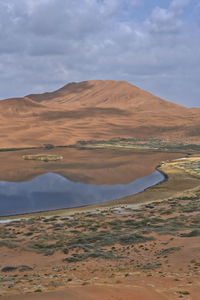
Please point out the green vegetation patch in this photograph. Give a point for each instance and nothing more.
(43, 157)
(134, 238)
(193, 166)
(193, 233)
(22, 268)
(140, 144)
(94, 254)
(169, 250)
(8, 269)
(94, 241)
(45, 247)
(150, 267)
(8, 244)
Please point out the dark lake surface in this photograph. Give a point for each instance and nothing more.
(52, 191)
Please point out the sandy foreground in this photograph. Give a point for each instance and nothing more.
(107, 292)
(152, 252)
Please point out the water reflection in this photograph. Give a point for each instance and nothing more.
(53, 191)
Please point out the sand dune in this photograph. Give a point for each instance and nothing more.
(97, 109)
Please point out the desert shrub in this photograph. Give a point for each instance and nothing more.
(49, 146)
(95, 254)
(183, 292)
(8, 269)
(104, 238)
(196, 220)
(101, 254)
(147, 222)
(93, 228)
(115, 223)
(134, 238)
(193, 233)
(150, 267)
(169, 250)
(24, 268)
(101, 238)
(166, 212)
(33, 228)
(65, 250)
(29, 233)
(30, 221)
(9, 244)
(44, 248)
(164, 230)
(175, 224)
(5, 233)
(130, 222)
(72, 259)
(56, 226)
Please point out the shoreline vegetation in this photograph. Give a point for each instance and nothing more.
(139, 145)
(121, 143)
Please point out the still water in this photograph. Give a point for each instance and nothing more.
(52, 191)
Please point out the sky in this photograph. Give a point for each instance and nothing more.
(155, 45)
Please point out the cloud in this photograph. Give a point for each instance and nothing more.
(164, 20)
(179, 4)
(46, 43)
(167, 19)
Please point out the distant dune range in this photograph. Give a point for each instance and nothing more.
(94, 110)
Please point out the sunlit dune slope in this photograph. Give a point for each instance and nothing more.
(97, 109)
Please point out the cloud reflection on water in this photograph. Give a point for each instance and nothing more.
(52, 191)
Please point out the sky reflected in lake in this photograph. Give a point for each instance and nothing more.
(52, 191)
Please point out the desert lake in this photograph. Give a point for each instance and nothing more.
(52, 191)
(83, 178)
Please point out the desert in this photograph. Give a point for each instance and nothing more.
(94, 110)
(99, 150)
(99, 135)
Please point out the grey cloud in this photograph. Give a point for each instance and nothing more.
(164, 20)
(46, 43)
